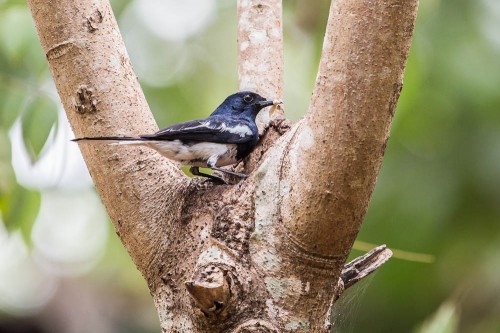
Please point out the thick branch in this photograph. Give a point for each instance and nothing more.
(260, 50)
(102, 97)
(260, 66)
(336, 155)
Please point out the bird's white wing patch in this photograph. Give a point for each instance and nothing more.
(241, 130)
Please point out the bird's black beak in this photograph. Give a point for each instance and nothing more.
(263, 104)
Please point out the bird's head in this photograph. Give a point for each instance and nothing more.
(243, 103)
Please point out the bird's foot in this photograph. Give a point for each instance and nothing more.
(237, 174)
(217, 180)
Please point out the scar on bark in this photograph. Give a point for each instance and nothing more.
(59, 50)
(85, 100)
(93, 20)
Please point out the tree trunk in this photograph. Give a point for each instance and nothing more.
(266, 254)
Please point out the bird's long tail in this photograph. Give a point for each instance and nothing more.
(108, 138)
(112, 139)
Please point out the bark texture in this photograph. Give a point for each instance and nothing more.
(260, 50)
(266, 254)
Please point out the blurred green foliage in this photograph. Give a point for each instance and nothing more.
(439, 187)
(22, 69)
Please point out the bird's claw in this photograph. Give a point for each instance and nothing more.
(215, 179)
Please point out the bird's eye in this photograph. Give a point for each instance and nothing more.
(248, 98)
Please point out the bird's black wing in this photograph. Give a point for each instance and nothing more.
(217, 129)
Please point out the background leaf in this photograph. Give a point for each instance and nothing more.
(17, 35)
(37, 121)
(12, 99)
(7, 177)
(19, 207)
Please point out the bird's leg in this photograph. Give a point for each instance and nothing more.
(212, 162)
(237, 174)
(196, 172)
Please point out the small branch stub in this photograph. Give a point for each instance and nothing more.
(356, 270)
(210, 290)
(362, 266)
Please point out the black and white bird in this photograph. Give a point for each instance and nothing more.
(226, 137)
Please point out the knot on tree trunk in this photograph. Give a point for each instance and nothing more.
(215, 286)
(211, 291)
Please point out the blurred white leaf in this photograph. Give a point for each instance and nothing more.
(175, 20)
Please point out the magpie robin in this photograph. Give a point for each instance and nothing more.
(227, 136)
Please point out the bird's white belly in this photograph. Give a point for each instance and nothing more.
(196, 154)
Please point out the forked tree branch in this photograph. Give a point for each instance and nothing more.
(266, 254)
